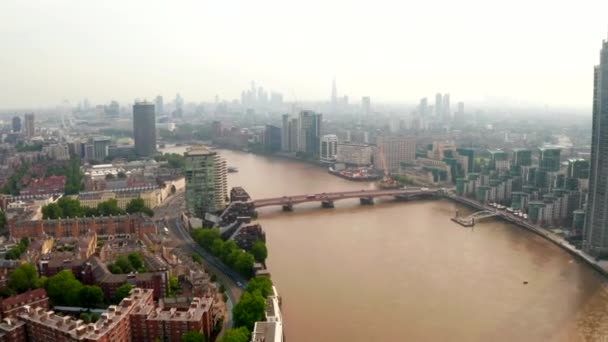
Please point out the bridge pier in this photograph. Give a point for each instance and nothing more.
(288, 207)
(366, 200)
(327, 204)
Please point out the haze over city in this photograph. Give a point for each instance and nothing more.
(520, 52)
(257, 171)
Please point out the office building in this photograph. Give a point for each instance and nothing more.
(101, 146)
(285, 133)
(366, 105)
(391, 151)
(595, 235)
(354, 154)
(438, 103)
(29, 125)
(460, 113)
(144, 129)
(16, 124)
(309, 132)
(329, 148)
(159, 105)
(206, 182)
(272, 139)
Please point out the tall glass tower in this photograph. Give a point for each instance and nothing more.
(595, 239)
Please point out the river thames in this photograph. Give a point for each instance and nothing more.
(402, 271)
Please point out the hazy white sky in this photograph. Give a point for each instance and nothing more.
(539, 51)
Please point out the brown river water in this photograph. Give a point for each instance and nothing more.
(402, 271)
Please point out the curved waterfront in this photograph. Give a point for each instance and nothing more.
(404, 271)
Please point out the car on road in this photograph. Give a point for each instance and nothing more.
(239, 284)
(310, 196)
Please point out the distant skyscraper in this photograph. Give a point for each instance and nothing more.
(112, 111)
(159, 105)
(334, 95)
(423, 107)
(144, 129)
(179, 105)
(30, 129)
(309, 132)
(595, 236)
(206, 181)
(445, 107)
(438, 102)
(366, 105)
(460, 113)
(16, 124)
(294, 132)
(285, 133)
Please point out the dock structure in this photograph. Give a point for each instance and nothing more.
(469, 221)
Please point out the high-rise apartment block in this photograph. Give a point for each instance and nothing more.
(144, 129)
(29, 125)
(206, 181)
(595, 236)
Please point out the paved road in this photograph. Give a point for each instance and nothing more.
(169, 214)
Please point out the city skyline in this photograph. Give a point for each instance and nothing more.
(393, 59)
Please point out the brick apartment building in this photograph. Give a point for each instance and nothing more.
(136, 318)
(75, 227)
(11, 306)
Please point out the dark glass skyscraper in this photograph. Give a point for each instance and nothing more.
(595, 239)
(144, 129)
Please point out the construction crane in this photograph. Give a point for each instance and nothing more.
(387, 181)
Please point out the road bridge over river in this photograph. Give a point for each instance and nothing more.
(327, 199)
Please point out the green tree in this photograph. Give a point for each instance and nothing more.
(260, 284)
(137, 205)
(70, 207)
(41, 282)
(236, 335)
(90, 295)
(52, 211)
(136, 260)
(64, 289)
(109, 207)
(122, 292)
(85, 317)
(23, 278)
(109, 176)
(121, 175)
(94, 317)
(193, 336)
(173, 285)
(249, 310)
(244, 264)
(124, 264)
(197, 258)
(205, 236)
(259, 251)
